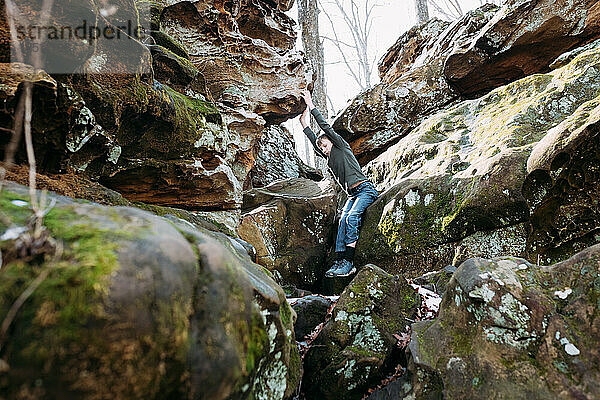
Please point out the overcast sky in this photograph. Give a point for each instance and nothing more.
(392, 18)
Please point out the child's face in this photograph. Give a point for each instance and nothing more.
(325, 145)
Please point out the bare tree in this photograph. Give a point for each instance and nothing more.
(422, 11)
(355, 53)
(308, 17)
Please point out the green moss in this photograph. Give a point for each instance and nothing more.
(389, 325)
(462, 341)
(13, 214)
(141, 94)
(201, 107)
(363, 352)
(256, 344)
(184, 63)
(60, 311)
(421, 226)
(295, 367)
(409, 300)
(448, 219)
(285, 313)
(91, 252)
(165, 40)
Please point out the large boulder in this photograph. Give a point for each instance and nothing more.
(412, 85)
(291, 225)
(174, 149)
(356, 347)
(562, 188)
(511, 329)
(242, 49)
(462, 173)
(276, 159)
(137, 306)
(177, 130)
(523, 38)
(311, 311)
(436, 63)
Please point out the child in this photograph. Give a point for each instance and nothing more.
(348, 174)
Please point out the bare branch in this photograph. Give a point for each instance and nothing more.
(450, 9)
(29, 144)
(333, 111)
(23, 113)
(442, 11)
(338, 42)
(357, 17)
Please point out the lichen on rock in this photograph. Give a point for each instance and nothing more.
(465, 170)
(502, 332)
(355, 347)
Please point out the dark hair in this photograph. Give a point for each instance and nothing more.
(321, 137)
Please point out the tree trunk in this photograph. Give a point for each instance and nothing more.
(422, 11)
(308, 17)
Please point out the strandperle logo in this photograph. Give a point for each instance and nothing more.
(74, 36)
(84, 31)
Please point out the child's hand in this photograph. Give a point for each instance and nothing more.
(304, 117)
(307, 99)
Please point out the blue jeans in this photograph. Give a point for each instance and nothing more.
(360, 198)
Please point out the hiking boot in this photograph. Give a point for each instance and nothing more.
(331, 271)
(346, 268)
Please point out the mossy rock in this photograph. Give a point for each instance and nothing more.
(171, 68)
(165, 40)
(511, 329)
(355, 348)
(149, 119)
(135, 306)
(467, 169)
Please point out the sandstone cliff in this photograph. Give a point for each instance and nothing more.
(186, 133)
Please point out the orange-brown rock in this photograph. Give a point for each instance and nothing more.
(412, 86)
(291, 224)
(183, 130)
(242, 52)
(522, 39)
